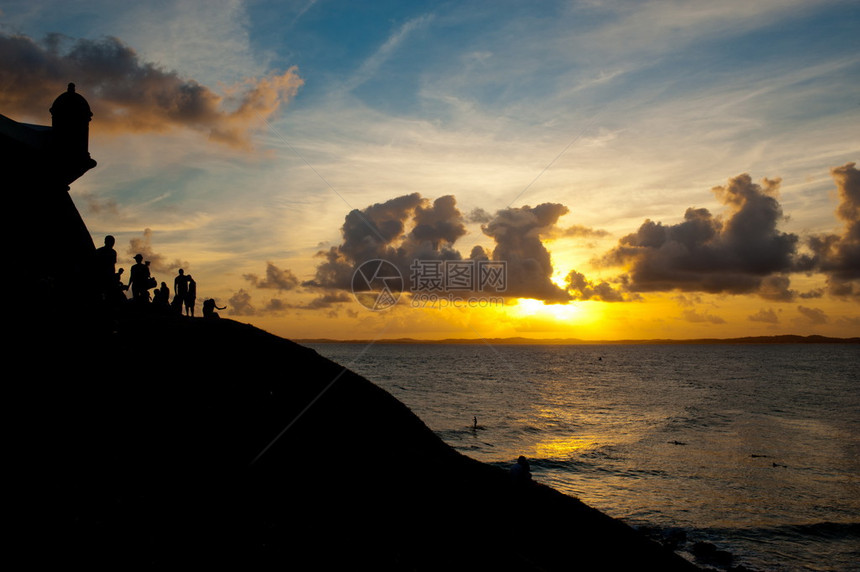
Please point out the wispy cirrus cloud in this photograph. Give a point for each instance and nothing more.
(371, 66)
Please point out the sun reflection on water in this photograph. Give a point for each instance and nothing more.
(564, 448)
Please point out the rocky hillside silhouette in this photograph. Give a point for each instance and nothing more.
(140, 450)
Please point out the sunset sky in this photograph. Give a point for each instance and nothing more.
(659, 169)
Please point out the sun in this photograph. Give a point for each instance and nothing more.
(529, 307)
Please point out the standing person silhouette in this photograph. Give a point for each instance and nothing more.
(138, 280)
(180, 290)
(190, 296)
(105, 268)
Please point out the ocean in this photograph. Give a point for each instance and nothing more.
(752, 448)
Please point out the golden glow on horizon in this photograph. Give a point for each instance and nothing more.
(528, 307)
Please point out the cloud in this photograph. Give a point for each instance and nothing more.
(130, 95)
(815, 293)
(369, 234)
(275, 278)
(239, 304)
(517, 232)
(410, 227)
(276, 305)
(479, 215)
(767, 316)
(580, 231)
(813, 315)
(158, 262)
(370, 67)
(242, 303)
(435, 227)
(581, 288)
(696, 317)
(776, 288)
(853, 321)
(838, 256)
(325, 301)
(96, 205)
(743, 253)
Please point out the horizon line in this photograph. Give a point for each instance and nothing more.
(775, 339)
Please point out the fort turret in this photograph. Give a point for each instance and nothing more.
(37, 165)
(70, 119)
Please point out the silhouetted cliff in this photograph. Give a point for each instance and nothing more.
(140, 446)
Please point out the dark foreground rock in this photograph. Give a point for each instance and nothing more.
(142, 449)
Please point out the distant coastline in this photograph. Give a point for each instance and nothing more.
(783, 339)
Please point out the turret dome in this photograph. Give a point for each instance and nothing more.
(70, 106)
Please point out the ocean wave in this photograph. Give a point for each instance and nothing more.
(792, 532)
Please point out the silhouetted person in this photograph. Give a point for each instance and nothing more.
(156, 297)
(151, 282)
(474, 423)
(105, 268)
(190, 297)
(119, 288)
(209, 308)
(161, 296)
(180, 290)
(521, 471)
(139, 280)
(164, 293)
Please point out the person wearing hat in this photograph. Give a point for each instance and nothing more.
(139, 279)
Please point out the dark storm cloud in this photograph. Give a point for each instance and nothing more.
(409, 228)
(518, 232)
(130, 95)
(435, 229)
(370, 234)
(275, 278)
(399, 231)
(838, 256)
(743, 253)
